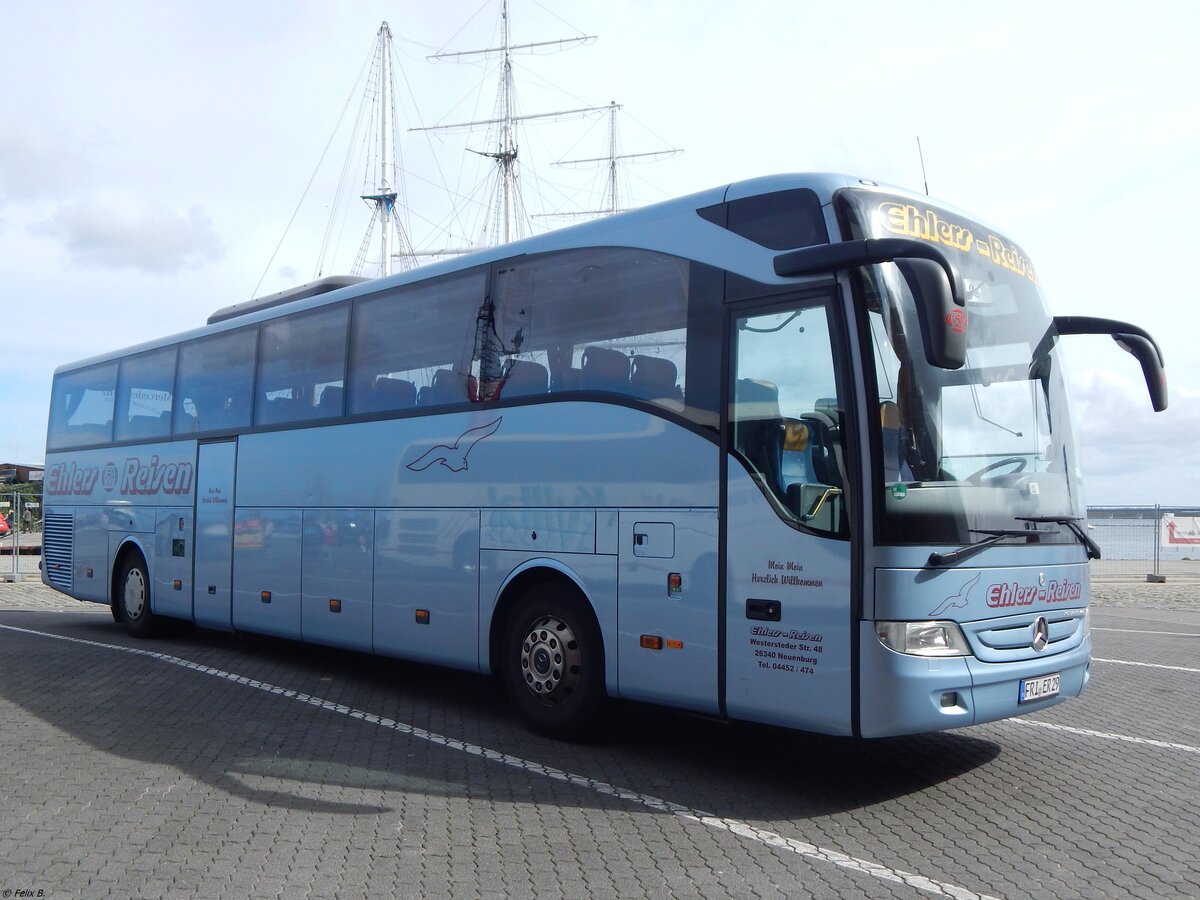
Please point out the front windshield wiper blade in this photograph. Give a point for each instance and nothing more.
(1072, 522)
(994, 536)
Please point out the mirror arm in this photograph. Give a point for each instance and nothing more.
(869, 252)
(1130, 338)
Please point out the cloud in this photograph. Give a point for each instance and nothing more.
(121, 229)
(1132, 454)
(32, 163)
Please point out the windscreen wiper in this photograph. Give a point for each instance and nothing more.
(1072, 522)
(994, 536)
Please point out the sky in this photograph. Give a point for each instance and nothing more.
(152, 156)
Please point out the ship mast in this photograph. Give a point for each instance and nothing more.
(611, 201)
(508, 214)
(384, 197)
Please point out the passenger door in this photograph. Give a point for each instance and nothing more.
(788, 632)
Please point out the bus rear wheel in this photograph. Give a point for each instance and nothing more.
(133, 594)
(553, 662)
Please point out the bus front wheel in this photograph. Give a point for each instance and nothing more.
(553, 662)
(133, 594)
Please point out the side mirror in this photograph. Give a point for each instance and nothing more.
(1130, 338)
(943, 321)
(931, 275)
(1146, 353)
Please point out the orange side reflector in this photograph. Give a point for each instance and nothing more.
(266, 596)
(178, 584)
(651, 642)
(675, 583)
(674, 645)
(335, 605)
(422, 617)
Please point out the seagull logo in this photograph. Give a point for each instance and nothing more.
(454, 456)
(959, 600)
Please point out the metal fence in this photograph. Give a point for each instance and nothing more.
(1130, 540)
(21, 542)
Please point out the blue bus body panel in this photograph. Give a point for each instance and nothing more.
(337, 553)
(564, 455)
(997, 609)
(267, 554)
(903, 694)
(171, 564)
(794, 671)
(212, 595)
(427, 559)
(120, 495)
(654, 543)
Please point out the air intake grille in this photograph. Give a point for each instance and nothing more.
(1011, 639)
(58, 549)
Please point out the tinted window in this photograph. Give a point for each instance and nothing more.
(787, 416)
(781, 220)
(597, 320)
(301, 367)
(216, 375)
(144, 393)
(413, 346)
(81, 407)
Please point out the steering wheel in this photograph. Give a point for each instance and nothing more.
(1018, 461)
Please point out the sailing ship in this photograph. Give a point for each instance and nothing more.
(495, 209)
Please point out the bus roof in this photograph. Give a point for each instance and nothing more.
(687, 235)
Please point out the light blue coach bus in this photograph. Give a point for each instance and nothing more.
(796, 450)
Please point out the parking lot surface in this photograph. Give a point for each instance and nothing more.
(216, 765)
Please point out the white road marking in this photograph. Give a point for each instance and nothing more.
(1134, 631)
(1129, 662)
(733, 826)
(1103, 735)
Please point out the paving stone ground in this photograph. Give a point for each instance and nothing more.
(330, 774)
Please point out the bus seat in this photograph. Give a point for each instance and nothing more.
(330, 403)
(824, 424)
(566, 380)
(605, 370)
(653, 378)
(143, 426)
(448, 386)
(392, 393)
(525, 377)
(758, 428)
(278, 409)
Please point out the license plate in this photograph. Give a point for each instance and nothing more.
(1039, 688)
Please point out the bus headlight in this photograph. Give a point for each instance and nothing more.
(923, 638)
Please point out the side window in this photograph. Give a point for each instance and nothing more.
(144, 393)
(601, 320)
(216, 375)
(786, 415)
(301, 367)
(412, 346)
(81, 407)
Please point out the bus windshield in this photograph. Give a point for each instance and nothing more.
(978, 447)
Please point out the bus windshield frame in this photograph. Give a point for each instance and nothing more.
(962, 451)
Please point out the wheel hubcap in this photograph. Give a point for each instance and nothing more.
(550, 659)
(135, 593)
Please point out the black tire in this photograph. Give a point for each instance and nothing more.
(133, 597)
(552, 662)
